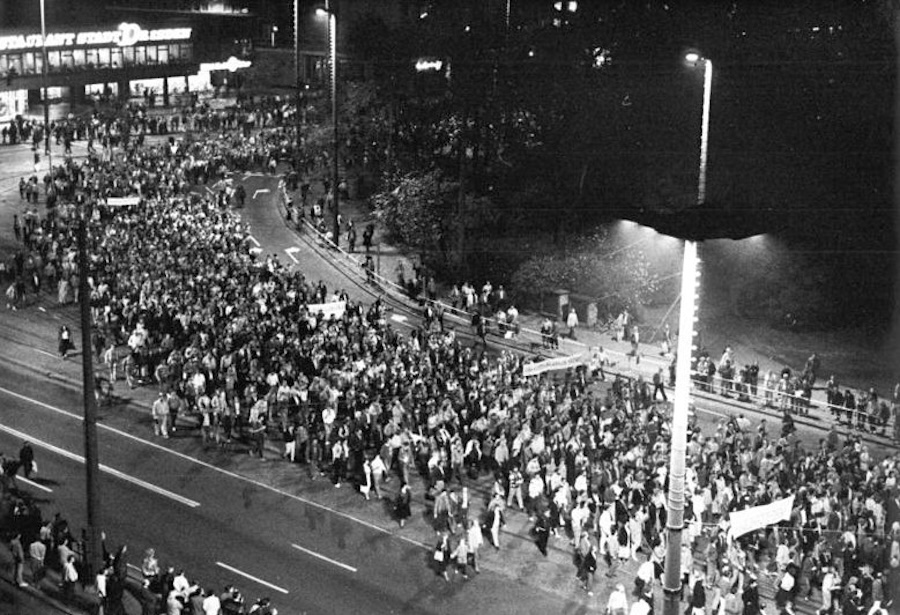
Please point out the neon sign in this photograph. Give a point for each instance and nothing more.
(424, 64)
(126, 35)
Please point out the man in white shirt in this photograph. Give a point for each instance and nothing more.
(211, 604)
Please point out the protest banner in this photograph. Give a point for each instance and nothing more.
(533, 369)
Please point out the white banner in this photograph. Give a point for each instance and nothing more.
(758, 517)
(122, 201)
(533, 369)
(334, 308)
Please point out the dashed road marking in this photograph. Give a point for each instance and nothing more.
(324, 558)
(251, 577)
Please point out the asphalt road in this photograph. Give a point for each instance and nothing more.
(223, 528)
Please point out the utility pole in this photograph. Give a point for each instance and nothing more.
(92, 550)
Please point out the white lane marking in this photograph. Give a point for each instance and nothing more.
(398, 317)
(290, 253)
(208, 189)
(44, 352)
(222, 471)
(150, 487)
(253, 239)
(251, 577)
(103, 468)
(323, 558)
(260, 191)
(33, 484)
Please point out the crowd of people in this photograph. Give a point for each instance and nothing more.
(228, 336)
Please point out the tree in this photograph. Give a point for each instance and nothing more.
(616, 278)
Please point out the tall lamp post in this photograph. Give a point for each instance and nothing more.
(93, 551)
(329, 10)
(44, 88)
(676, 496)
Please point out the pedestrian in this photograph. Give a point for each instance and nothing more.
(474, 540)
(100, 584)
(65, 341)
(750, 597)
(495, 519)
(402, 504)
(460, 557)
(572, 322)
(697, 599)
(26, 459)
(542, 532)
(659, 384)
(18, 555)
(37, 554)
(442, 556)
(69, 577)
(159, 412)
(617, 604)
(586, 561)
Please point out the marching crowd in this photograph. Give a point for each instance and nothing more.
(228, 336)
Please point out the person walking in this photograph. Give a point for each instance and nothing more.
(402, 504)
(69, 577)
(474, 539)
(460, 557)
(572, 322)
(26, 459)
(542, 532)
(160, 414)
(18, 555)
(65, 341)
(37, 553)
(495, 519)
(442, 556)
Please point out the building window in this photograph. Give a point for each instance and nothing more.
(29, 64)
(103, 57)
(92, 58)
(162, 54)
(115, 57)
(67, 60)
(150, 50)
(53, 60)
(140, 55)
(79, 58)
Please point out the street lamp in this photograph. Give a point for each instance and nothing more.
(44, 87)
(689, 275)
(329, 11)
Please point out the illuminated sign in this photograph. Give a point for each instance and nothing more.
(125, 35)
(231, 65)
(426, 64)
